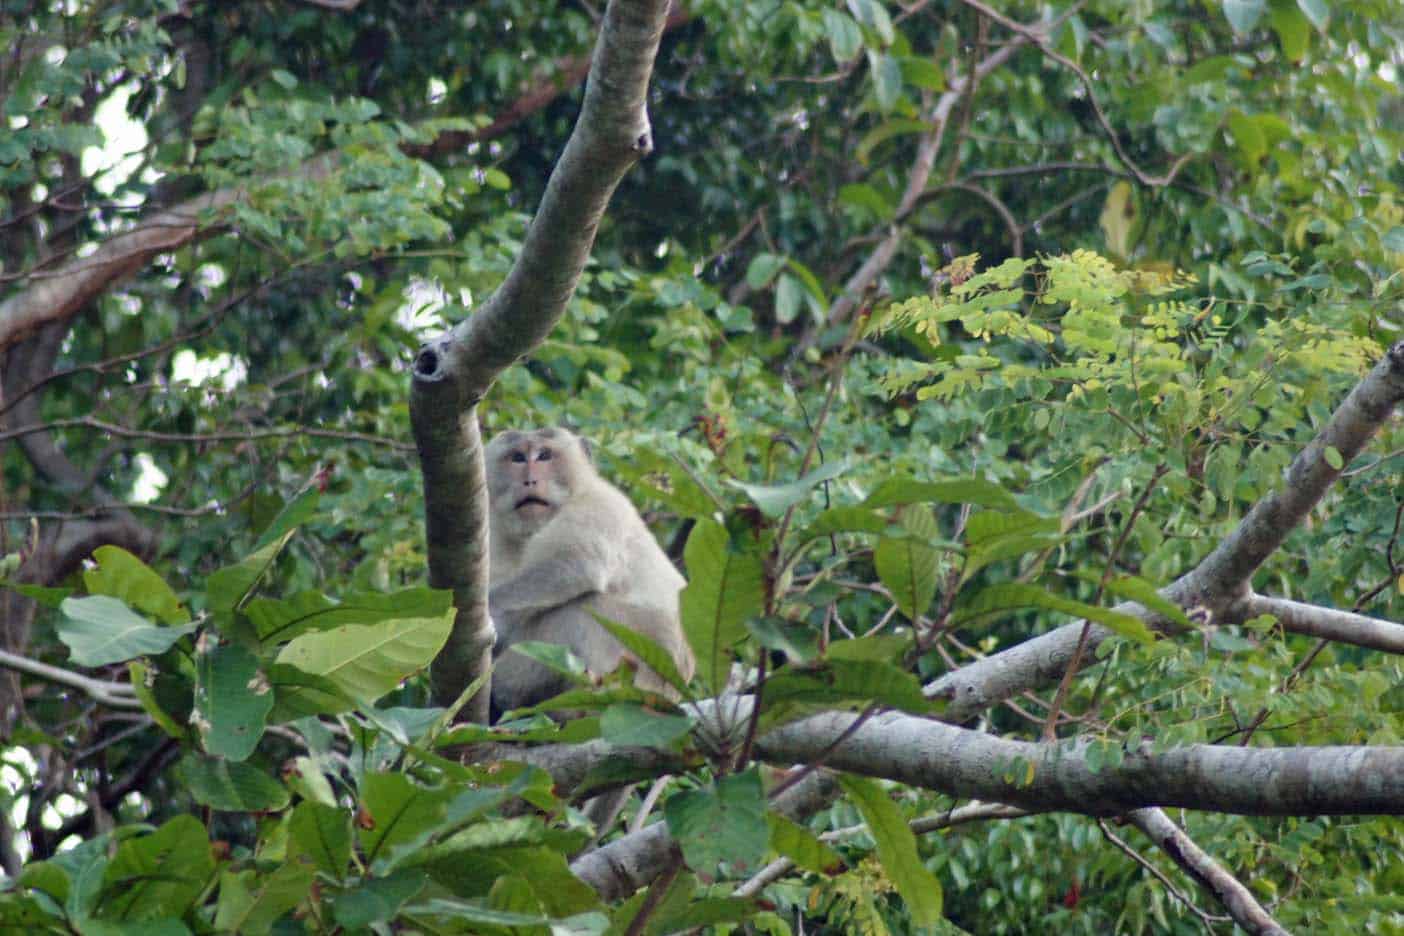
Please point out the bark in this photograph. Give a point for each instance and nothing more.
(1327, 623)
(1301, 781)
(452, 373)
(1207, 873)
(1221, 581)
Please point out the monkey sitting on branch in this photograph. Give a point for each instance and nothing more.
(564, 542)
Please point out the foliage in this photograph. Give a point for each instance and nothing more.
(1092, 351)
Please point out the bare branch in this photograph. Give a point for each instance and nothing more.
(1208, 873)
(971, 764)
(1327, 623)
(111, 694)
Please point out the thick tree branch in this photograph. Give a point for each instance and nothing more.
(54, 295)
(1327, 623)
(112, 694)
(1221, 580)
(453, 373)
(1056, 776)
(1208, 873)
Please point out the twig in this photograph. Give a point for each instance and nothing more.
(111, 694)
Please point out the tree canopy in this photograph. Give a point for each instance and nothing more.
(1018, 387)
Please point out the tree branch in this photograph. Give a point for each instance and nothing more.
(1327, 623)
(111, 694)
(452, 373)
(1056, 776)
(1221, 580)
(1208, 873)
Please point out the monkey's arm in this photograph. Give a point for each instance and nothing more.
(548, 584)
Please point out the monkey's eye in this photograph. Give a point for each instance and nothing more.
(519, 457)
(544, 455)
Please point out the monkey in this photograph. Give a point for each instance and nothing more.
(564, 542)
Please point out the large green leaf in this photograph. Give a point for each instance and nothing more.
(908, 564)
(725, 822)
(121, 575)
(398, 815)
(627, 723)
(100, 630)
(250, 902)
(646, 650)
(975, 491)
(230, 786)
(802, 846)
(276, 621)
(367, 661)
(376, 900)
(835, 682)
(228, 588)
(161, 874)
(896, 848)
(774, 499)
(726, 586)
(232, 701)
(322, 834)
(1000, 599)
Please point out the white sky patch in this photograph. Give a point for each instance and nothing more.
(150, 481)
(13, 780)
(124, 138)
(422, 312)
(222, 369)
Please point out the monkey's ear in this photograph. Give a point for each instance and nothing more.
(587, 447)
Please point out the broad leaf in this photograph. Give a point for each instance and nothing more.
(232, 702)
(646, 650)
(774, 500)
(975, 491)
(1003, 598)
(896, 848)
(161, 874)
(123, 576)
(802, 846)
(636, 724)
(228, 786)
(229, 587)
(725, 588)
(367, 661)
(100, 630)
(723, 823)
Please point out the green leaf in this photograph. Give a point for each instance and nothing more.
(276, 621)
(788, 297)
(1318, 11)
(377, 900)
(884, 132)
(802, 846)
(228, 786)
(100, 630)
(298, 694)
(1392, 241)
(1248, 136)
(897, 849)
(232, 702)
(367, 661)
(922, 73)
(844, 520)
(762, 270)
(774, 500)
(1333, 457)
(229, 587)
(835, 682)
(322, 834)
(975, 491)
(1143, 593)
(250, 903)
(161, 874)
(908, 565)
(1011, 596)
(725, 822)
(1293, 30)
(647, 651)
(725, 588)
(845, 38)
(887, 80)
(399, 815)
(293, 515)
(632, 724)
(283, 78)
(138, 673)
(1243, 15)
(123, 576)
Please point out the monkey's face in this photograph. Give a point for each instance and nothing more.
(530, 475)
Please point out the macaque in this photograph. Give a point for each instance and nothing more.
(565, 542)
